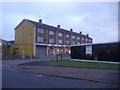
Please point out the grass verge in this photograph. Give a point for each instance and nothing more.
(79, 64)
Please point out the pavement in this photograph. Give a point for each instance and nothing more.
(95, 75)
(18, 61)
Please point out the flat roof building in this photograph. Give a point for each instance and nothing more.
(98, 51)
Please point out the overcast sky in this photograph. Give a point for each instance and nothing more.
(99, 20)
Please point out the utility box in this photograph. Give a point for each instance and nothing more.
(100, 52)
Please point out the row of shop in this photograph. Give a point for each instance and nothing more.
(36, 50)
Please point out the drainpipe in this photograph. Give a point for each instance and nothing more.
(23, 52)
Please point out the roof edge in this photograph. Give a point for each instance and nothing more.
(22, 22)
(97, 43)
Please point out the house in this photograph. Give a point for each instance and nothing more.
(38, 39)
(6, 47)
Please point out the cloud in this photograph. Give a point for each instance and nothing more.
(98, 19)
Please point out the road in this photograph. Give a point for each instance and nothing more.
(12, 78)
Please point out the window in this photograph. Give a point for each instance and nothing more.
(9, 43)
(86, 39)
(0, 43)
(60, 41)
(51, 40)
(78, 38)
(4, 43)
(73, 42)
(78, 43)
(90, 40)
(51, 32)
(39, 30)
(67, 42)
(82, 42)
(82, 39)
(73, 37)
(60, 34)
(40, 39)
(67, 35)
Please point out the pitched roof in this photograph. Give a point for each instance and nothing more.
(51, 27)
(45, 26)
(2, 40)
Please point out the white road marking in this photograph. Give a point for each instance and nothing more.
(39, 75)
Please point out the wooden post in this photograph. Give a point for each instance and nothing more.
(57, 57)
(61, 56)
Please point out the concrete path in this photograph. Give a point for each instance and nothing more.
(95, 61)
(19, 61)
(97, 75)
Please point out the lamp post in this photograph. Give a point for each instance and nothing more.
(23, 52)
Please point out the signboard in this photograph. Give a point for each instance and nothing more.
(89, 49)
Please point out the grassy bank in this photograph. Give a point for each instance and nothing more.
(78, 64)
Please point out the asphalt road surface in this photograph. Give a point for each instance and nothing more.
(12, 78)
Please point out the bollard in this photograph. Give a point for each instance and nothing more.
(57, 58)
(61, 56)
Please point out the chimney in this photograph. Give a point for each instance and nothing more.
(58, 26)
(71, 30)
(80, 33)
(87, 35)
(40, 21)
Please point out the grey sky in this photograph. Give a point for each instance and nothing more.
(99, 20)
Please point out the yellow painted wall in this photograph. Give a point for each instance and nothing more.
(24, 35)
(29, 50)
(10, 49)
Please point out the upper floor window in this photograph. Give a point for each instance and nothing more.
(51, 32)
(90, 40)
(78, 38)
(4, 43)
(82, 42)
(60, 34)
(39, 30)
(60, 41)
(73, 37)
(67, 35)
(82, 38)
(51, 40)
(0, 43)
(40, 39)
(73, 43)
(67, 42)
